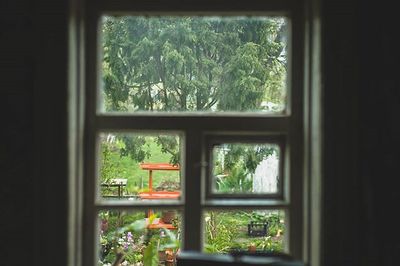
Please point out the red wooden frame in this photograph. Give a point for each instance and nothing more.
(158, 223)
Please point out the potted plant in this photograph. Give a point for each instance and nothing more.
(168, 216)
(104, 221)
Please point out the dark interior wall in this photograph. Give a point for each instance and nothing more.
(50, 46)
(379, 130)
(342, 203)
(362, 100)
(16, 128)
(33, 188)
(362, 133)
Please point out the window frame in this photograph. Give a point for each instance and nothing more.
(297, 121)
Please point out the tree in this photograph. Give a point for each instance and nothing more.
(191, 64)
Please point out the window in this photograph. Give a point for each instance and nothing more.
(127, 104)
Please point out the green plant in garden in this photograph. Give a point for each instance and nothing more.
(220, 232)
(109, 168)
(269, 244)
(226, 231)
(120, 245)
(133, 241)
(235, 181)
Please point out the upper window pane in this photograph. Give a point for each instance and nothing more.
(194, 64)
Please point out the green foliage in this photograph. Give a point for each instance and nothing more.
(236, 181)
(268, 244)
(235, 172)
(187, 64)
(220, 233)
(150, 257)
(170, 145)
(226, 231)
(191, 64)
(244, 77)
(247, 155)
(114, 164)
(134, 147)
(128, 236)
(109, 168)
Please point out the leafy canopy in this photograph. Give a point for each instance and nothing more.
(192, 64)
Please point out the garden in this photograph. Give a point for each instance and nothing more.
(153, 237)
(188, 64)
(125, 238)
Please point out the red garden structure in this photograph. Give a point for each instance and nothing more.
(157, 195)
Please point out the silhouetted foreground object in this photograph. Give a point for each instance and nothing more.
(191, 258)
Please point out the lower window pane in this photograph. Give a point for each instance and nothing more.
(255, 231)
(136, 238)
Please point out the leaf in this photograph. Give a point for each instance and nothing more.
(138, 225)
(150, 257)
(171, 235)
(173, 242)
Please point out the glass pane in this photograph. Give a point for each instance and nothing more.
(257, 231)
(197, 64)
(242, 168)
(139, 167)
(134, 238)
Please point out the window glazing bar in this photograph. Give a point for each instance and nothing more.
(175, 6)
(203, 123)
(240, 203)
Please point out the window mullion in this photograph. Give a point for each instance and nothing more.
(296, 136)
(90, 224)
(192, 192)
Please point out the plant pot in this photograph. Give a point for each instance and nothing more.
(161, 255)
(169, 256)
(168, 216)
(104, 225)
(252, 248)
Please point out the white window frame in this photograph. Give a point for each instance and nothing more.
(301, 125)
